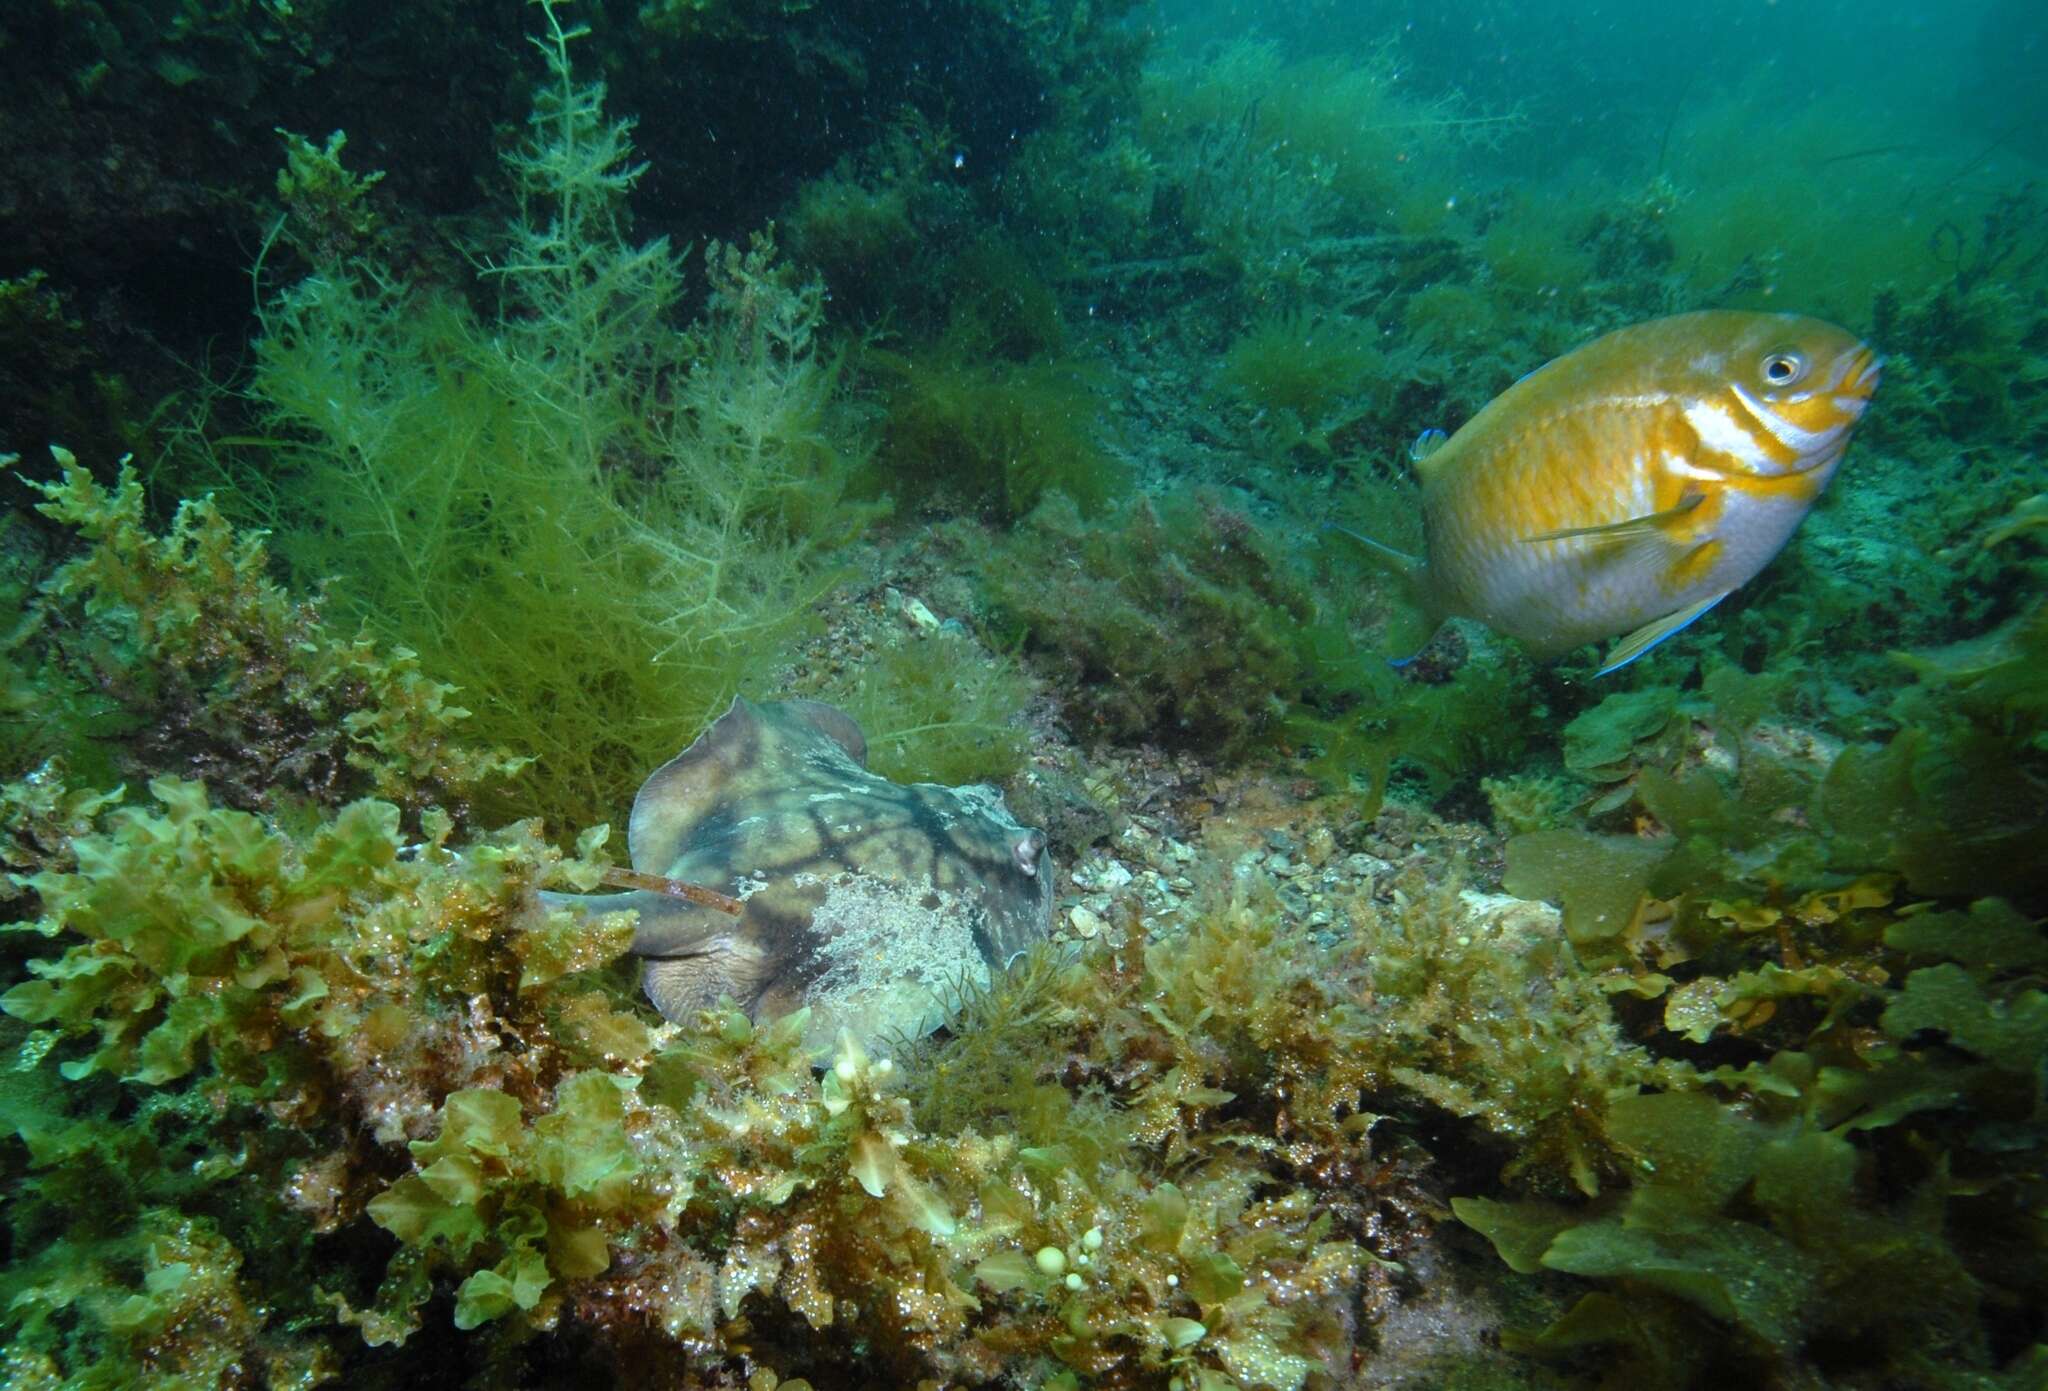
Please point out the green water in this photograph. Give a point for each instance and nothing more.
(1007, 375)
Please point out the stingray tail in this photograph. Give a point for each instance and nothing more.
(668, 926)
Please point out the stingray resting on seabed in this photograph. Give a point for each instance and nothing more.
(868, 901)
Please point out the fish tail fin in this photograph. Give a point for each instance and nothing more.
(1414, 571)
(1397, 663)
(1409, 566)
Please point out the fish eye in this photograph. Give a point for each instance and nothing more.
(1784, 368)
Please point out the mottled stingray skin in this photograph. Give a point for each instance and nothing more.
(840, 871)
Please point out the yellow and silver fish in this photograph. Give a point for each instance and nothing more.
(1631, 485)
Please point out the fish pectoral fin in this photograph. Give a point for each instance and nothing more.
(1650, 634)
(1629, 528)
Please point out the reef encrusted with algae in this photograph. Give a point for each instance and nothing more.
(865, 900)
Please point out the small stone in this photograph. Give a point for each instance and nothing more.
(913, 611)
(1085, 923)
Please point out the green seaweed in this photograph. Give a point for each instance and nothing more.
(990, 439)
(1759, 1226)
(1308, 378)
(594, 522)
(175, 650)
(1175, 620)
(1872, 1059)
(937, 708)
(221, 1025)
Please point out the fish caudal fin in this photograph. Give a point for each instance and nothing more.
(1397, 663)
(1409, 565)
(1650, 634)
(1412, 570)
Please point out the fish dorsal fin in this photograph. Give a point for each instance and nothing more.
(1629, 528)
(1426, 452)
(748, 750)
(1650, 634)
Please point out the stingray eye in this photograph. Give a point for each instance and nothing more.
(1784, 368)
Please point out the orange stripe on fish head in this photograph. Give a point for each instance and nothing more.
(1800, 390)
(1777, 419)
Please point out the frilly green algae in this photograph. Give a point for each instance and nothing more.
(1202, 1196)
(146, 651)
(1309, 379)
(327, 219)
(241, 1018)
(520, 1205)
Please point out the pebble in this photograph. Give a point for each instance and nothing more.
(913, 610)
